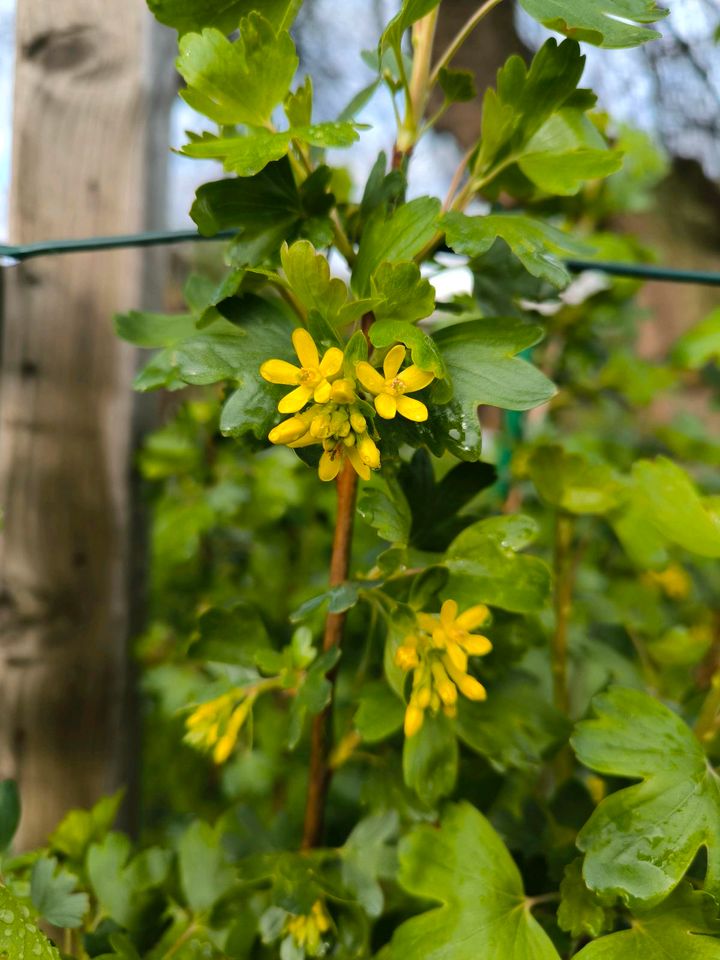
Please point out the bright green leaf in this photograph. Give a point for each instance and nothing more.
(685, 927)
(205, 875)
(399, 236)
(308, 274)
(20, 938)
(573, 482)
(465, 866)
(581, 912)
(313, 696)
(53, 894)
(402, 292)
(410, 12)
(80, 828)
(610, 24)
(641, 840)
(384, 507)
(241, 81)
(537, 245)
(675, 508)
(701, 344)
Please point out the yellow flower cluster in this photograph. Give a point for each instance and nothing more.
(215, 726)
(335, 417)
(307, 930)
(437, 653)
(673, 581)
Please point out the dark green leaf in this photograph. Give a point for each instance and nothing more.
(367, 858)
(581, 912)
(121, 882)
(430, 759)
(537, 245)
(384, 507)
(380, 713)
(641, 840)
(457, 85)
(485, 567)
(192, 15)
(465, 866)
(9, 812)
(230, 635)
(313, 696)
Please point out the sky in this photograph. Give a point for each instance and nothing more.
(631, 85)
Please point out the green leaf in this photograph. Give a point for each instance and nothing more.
(675, 508)
(246, 155)
(313, 696)
(384, 507)
(700, 345)
(399, 236)
(367, 858)
(465, 866)
(430, 759)
(515, 727)
(485, 567)
(403, 294)
(20, 938)
(241, 81)
(684, 926)
(572, 482)
(155, 329)
(641, 840)
(410, 12)
(581, 912)
(205, 875)
(9, 812)
(483, 369)
(537, 245)
(308, 274)
(298, 105)
(53, 894)
(121, 882)
(80, 828)
(190, 16)
(610, 25)
(380, 713)
(232, 635)
(423, 350)
(457, 85)
(566, 151)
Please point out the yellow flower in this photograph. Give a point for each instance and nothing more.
(437, 653)
(311, 379)
(307, 930)
(673, 581)
(389, 391)
(215, 726)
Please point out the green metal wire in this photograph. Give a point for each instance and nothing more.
(10, 255)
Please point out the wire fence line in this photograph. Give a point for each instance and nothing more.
(12, 255)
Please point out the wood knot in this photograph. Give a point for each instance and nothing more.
(63, 49)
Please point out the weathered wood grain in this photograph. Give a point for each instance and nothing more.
(82, 100)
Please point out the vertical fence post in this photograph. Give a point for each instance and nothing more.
(80, 146)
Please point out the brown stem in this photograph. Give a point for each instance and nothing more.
(321, 734)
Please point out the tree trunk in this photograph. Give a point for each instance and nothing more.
(66, 412)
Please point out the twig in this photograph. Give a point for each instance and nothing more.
(321, 735)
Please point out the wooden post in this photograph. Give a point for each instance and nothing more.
(66, 410)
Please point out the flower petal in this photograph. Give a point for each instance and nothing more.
(476, 645)
(288, 431)
(368, 451)
(295, 400)
(369, 377)
(280, 371)
(305, 348)
(473, 617)
(448, 613)
(361, 469)
(331, 362)
(322, 392)
(329, 465)
(415, 379)
(411, 409)
(393, 361)
(386, 405)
